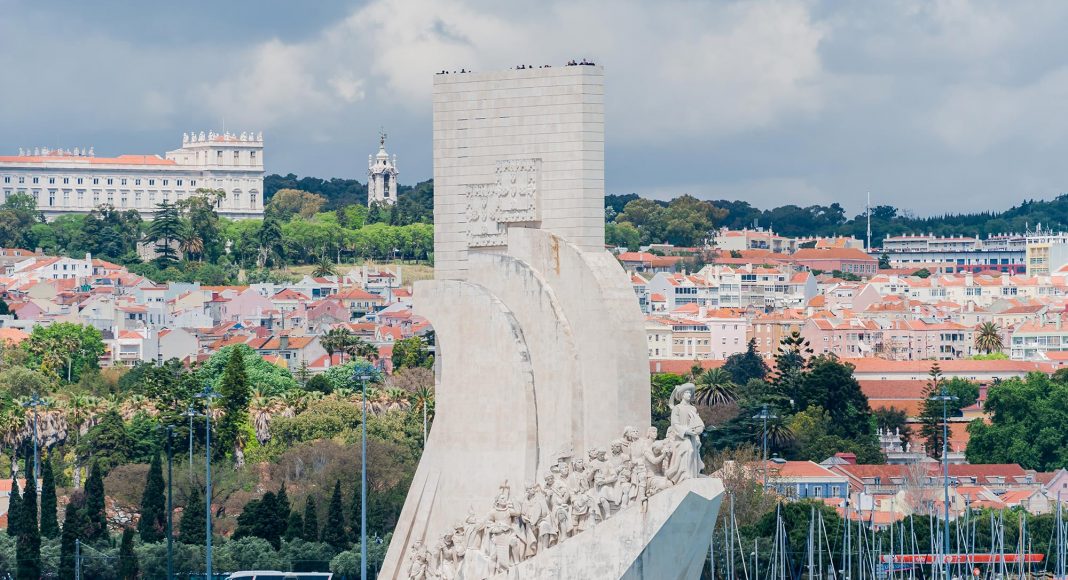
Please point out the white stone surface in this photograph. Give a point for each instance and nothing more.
(541, 347)
(667, 539)
(485, 120)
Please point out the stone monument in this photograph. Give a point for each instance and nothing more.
(542, 403)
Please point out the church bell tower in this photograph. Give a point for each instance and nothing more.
(381, 176)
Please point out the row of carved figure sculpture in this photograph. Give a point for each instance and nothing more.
(576, 494)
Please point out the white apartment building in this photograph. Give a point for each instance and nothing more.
(1032, 340)
(77, 181)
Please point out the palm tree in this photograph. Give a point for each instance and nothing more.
(359, 347)
(779, 433)
(12, 420)
(193, 245)
(261, 409)
(424, 397)
(396, 399)
(132, 405)
(714, 387)
(337, 339)
(988, 338)
(324, 268)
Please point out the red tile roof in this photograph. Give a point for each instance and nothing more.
(82, 159)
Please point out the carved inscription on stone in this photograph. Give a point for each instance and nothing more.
(511, 198)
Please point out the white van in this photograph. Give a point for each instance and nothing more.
(273, 575)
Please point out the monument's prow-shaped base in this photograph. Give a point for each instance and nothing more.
(542, 390)
(665, 539)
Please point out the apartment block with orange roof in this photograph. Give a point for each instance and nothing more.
(768, 330)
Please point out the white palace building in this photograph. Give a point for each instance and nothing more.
(78, 181)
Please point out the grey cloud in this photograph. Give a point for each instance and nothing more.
(933, 106)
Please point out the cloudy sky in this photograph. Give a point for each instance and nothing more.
(932, 105)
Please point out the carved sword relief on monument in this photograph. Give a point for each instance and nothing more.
(511, 198)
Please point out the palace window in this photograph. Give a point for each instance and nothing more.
(237, 157)
(122, 181)
(177, 182)
(137, 182)
(152, 182)
(79, 181)
(164, 182)
(66, 181)
(252, 156)
(51, 180)
(51, 197)
(36, 180)
(111, 181)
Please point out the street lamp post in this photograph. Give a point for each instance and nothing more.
(190, 412)
(363, 375)
(764, 415)
(944, 396)
(170, 502)
(207, 394)
(35, 402)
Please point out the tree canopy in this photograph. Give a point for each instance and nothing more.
(1027, 418)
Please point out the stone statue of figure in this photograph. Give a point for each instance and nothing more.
(688, 424)
(578, 480)
(451, 554)
(418, 565)
(535, 526)
(501, 536)
(560, 504)
(680, 456)
(616, 459)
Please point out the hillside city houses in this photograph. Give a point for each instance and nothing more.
(889, 323)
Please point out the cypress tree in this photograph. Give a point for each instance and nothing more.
(127, 556)
(311, 521)
(334, 531)
(295, 526)
(28, 548)
(234, 389)
(74, 524)
(95, 510)
(14, 509)
(49, 523)
(282, 500)
(267, 525)
(249, 520)
(153, 524)
(191, 528)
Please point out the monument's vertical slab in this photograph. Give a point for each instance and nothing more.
(517, 147)
(542, 354)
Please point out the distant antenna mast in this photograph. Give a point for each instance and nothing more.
(868, 211)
